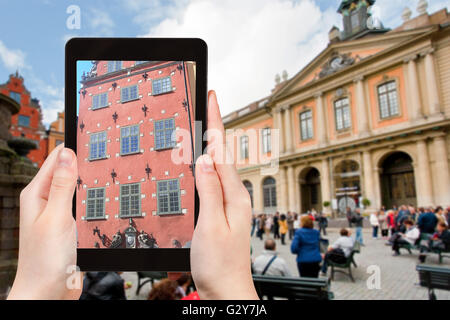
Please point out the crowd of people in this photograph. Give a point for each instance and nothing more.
(425, 228)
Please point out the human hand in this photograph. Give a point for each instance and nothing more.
(220, 251)
(47, 240)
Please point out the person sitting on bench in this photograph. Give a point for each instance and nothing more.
(409, 237)
(339, 251)
(440, 241)
(268, 263)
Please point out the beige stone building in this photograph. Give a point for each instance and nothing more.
(368, 118)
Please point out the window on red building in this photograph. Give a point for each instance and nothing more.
(164, 137)
(168, 196)
(97, 146)
(129, 140)
(114, 66)
(100, 101)
(95, 203)
(130, 200)
(24, 121)
(15, 96)
(129, 93)
(160, 86)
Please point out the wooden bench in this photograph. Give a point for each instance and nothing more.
(433, 277)
(148, 276)
(336, 267)
(292, 288)
(417, 245)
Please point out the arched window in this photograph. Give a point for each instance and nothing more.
(270, 193)
(248, 185)
(388, 101)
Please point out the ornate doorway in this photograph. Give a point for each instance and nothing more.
(398, 185)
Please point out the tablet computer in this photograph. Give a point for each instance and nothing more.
(135, 115)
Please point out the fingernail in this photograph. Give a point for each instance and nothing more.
(207, 163)
(65, 158)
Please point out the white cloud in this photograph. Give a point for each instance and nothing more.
(51, 97)
(100, 22)
(12, 59)
(248, 44)
(251, 42)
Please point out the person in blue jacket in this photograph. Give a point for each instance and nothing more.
(306, 246)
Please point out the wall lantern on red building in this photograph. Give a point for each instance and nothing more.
(115, 116)
(79, 182)
(81, 126)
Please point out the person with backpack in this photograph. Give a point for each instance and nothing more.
(268, 263)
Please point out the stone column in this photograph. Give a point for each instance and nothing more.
(278, 124)
(258, 205)
(369, 192)
(376, 178)
(414, 90)
(423, 176)
(321, 120)
(433, 93)
(361, 108)
(288, 134)
(291, 188)
(283, 192)
(442, 169)
(325, 185)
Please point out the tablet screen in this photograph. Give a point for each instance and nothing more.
(135, 154)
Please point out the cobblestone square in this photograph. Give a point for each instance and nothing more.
(399, 278)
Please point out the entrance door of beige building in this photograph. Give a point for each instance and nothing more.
(397, 180)
(311, 195)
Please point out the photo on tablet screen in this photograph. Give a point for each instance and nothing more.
(135, 154)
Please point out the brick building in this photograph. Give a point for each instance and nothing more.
(368, 118)
(130, 193)
(28, 122)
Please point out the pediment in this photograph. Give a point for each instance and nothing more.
(339, 56)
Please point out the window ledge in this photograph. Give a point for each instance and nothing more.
(164, 149)
(97, 159)
(130, 154)
(131, 216)
(129, 100)
(170, 214)
(94, 218)
(98, 108)
(162, 93)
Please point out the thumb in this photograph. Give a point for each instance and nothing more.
(210, 193)
(63, 181)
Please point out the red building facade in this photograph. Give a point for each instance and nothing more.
(130, 194)
(28, 122)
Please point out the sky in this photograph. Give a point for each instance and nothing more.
(249, 41)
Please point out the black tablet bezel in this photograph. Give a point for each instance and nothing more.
(156, 49)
